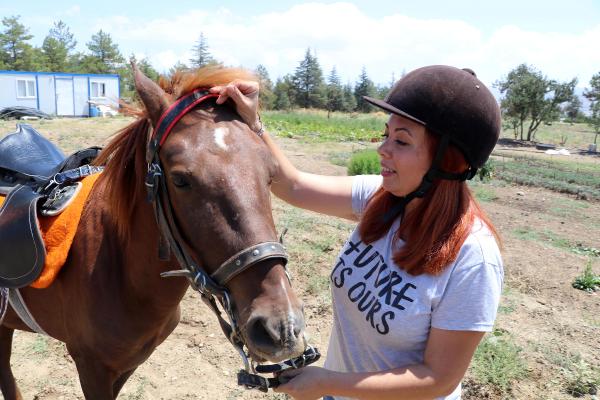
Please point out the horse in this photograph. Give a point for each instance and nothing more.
(109, 304)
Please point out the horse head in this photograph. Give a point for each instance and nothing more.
(217, 174)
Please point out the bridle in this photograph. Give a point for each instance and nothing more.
(211, 287)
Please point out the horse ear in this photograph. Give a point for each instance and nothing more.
(154, 98)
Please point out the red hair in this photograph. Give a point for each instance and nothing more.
(438, 226)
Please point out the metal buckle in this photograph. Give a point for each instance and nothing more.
(309, 356)
(253, 381)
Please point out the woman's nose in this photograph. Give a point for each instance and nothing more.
(382, 149)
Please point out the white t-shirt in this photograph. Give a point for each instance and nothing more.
(383, 315)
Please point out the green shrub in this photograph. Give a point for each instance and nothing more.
(587, 281)
(498, 362)
(486, 173)
(582, 379)
(364, 162)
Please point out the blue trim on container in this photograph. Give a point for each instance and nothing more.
(89, 98)
(5, 72)
(37, 92)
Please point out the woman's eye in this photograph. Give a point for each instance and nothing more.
(401, 143)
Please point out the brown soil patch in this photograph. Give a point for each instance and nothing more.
(549, 319)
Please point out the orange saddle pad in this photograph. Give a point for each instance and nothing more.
(58, 233)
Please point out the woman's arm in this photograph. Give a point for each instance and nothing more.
(330, 195)
(447, 357)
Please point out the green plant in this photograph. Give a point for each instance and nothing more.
(483, 193)
(565, 176)
(486, 172)
(364, 162)
(317, 126)
(588, 281)
(40, 345)
(497, 362)
(584, 250)
(581, 379)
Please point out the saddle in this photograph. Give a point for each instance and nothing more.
(36, 179)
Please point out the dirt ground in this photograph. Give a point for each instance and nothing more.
(550, 320)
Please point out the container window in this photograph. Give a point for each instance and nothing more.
(26, 88)
(98, 89)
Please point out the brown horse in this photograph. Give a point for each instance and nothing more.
(109, 305)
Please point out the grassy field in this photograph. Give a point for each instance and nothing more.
(546, 340)
(319, 126)
(561, 134)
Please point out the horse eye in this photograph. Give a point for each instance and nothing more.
(180, 181)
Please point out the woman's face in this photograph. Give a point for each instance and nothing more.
(405, 156)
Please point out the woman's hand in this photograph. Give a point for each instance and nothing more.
(306, 383)
(245, 96)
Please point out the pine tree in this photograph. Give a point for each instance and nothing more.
(200, 53)
(335, 93)
(178, 67)
(105, 56)
(593, 95)
(281, 91)
(364, 87)
(15, 52)
(57, 46)
(267, 97)
(349, 102)
(308, 83)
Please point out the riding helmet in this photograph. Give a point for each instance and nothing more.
(450, 102)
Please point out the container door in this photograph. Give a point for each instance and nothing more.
(64, 97)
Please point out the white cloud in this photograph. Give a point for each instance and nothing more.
(344, 36)
(73, 11)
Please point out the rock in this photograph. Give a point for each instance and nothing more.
(520, 193)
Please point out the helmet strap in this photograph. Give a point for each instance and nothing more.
(433, 173)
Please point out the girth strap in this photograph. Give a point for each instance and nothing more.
(3, 303)
(18, 304)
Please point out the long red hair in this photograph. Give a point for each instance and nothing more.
(438, 226)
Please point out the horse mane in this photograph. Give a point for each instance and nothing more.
(124, 157)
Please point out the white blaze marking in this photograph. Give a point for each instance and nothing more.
(290, 311)
(220, 137)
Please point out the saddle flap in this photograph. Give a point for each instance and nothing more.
(29, 153)
(22, 250)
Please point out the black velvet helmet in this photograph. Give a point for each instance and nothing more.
(453, 104)
(449, 102)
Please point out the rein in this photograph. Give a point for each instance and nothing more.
(211, 287)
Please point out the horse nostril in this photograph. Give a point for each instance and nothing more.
(298, 328)
(262, 333)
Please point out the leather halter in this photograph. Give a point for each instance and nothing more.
(211, 287)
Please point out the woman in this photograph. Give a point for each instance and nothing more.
(418, 282)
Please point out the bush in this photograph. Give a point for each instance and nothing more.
(364, 162)
(582, 379)
(486, 173)
(588, 281)
(498, 362)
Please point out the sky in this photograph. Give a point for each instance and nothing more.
(386, 37)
